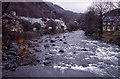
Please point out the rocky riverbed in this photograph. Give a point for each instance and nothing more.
(64, 55)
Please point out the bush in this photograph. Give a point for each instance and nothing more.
(27, 26)
(37, 25)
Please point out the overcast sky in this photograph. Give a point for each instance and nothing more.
(79, 6)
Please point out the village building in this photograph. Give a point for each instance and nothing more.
(111, 23)
(60, 24)
(13, 13)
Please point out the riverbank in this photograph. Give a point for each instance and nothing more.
(108, 37)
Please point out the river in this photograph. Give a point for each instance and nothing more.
(71, 55)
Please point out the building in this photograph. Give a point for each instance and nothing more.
(111, 23)
(13, 13)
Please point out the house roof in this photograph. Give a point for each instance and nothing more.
(112, 18)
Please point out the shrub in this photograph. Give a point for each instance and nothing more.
(27, 26)
(37, 25)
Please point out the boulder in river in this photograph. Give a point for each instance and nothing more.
(61, 40)
(52, 41)
(61, 51)
(47, 63)
(84, 50)
(64, 42)
(53, 44)
(46, 46)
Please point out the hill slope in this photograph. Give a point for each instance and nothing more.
(40, 10)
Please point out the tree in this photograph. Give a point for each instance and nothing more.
(101, 7)
(90, 22)
(5, 7)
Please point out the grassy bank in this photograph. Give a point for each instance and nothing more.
(111, 36)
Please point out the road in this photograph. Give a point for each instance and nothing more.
(71, 55)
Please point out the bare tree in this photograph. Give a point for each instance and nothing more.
(91, 21)
(5, 7)
(101, 7)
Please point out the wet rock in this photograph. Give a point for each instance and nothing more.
(10, 57)
(48, 58)
(52, 41)
(37, 45)
(46, 46)
(4, 58)
(50, 53)
(85, 65)
(46, 40)
(57, 37)
(47, 63)
(7, 67)
(4, 55)
(53, 44)
(64, 36)
(61, 51)
(64, 42)
(36, 50)
(13, 49)
(38, 61)
(74, 52)
(61, 40)
(101, 67)
(9, 46)
(46, 54)
(12, 53)
(84, 50)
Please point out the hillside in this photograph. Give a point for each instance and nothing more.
(41, 10)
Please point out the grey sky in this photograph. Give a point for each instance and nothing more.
(79, 6)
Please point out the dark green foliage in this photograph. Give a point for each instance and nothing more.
(37, 25)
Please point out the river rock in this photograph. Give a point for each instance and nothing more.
(47, 63)
(37, 45)
(84, 50)
(61, 40)
(53, 44)
(46, 40)
(46, 46)
(85, 65)
(36, 50)
(52, 41)
(64, 36)
(61, 51)
(64, 42)
(48, 58)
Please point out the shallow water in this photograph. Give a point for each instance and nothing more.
(81, 57)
